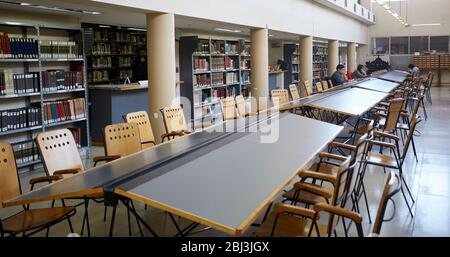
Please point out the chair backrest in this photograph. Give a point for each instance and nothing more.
(319, 87)
(395, 108)
(242, 106)
(330, 83)
(308, 88)
(228, 106)
(174, 119)
(58, 151)
(294, 92)
(279, 96)
(325, 85)
(9, 180)
(145, 128)
(388, 192)
(122, 139)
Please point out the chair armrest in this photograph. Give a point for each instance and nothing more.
(48, 179)
(172, 134)
(67, 171)
(317, 190)
(356, 217)
(324, 155)
(108, 158)
(300, 211)
(377, 133)
(342, 145)
(317, 175)
(382, 144)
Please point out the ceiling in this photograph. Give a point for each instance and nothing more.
(131, 17)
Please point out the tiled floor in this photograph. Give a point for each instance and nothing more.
(429, 177)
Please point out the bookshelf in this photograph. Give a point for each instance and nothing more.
(433, 62)
(291, 55)
(111, 52)
(212, 69)
(42, 86)
(320, 62)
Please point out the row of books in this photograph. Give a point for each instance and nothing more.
(98, 76)
(125, 61)
(54, 80)
(219, 93)
(231, 63)
(246, 78)
(203, 80)
(25, 152)
(218, 47)
(60, 49)
(102, 48)
(245, 63)
(202, 47)
(70, 109)
(18, 48)
(217, 79)
(232, 48)
(102, 62)
(124, 49)
(18, 83)
(217, 63)
(201, 64)
(126, 73)
(232, 78)
(20, 118)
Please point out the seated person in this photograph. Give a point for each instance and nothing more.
(414, 70)
(359, 73)
(338, 78)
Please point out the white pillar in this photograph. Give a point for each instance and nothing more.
(161, 67)
(306, 61)
(260, 65)
(333, 56)
(351, 57)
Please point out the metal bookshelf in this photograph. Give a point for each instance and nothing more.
(320, 62)
(292, 59)
(225, 71)
(38, 98)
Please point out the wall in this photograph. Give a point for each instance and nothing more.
(415, 12)
(302, 17)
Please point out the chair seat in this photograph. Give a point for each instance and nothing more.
(403, 126)
(381, 160)
(35, 218)
(325, 168)
(287, 226)
(310, 198)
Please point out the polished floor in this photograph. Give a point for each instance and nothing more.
(429, 177)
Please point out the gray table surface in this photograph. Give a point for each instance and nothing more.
(350, 101)
(394, 76)
(227, 184)
(378, 85)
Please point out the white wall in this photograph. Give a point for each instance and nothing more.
(303, 17)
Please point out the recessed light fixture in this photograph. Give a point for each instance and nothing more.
(425, 24)
(52, 8)
(104, 26)
(229, 30)
(137, 29)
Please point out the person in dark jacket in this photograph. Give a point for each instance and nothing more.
(359, 73)
(338, 77)
(140, 70)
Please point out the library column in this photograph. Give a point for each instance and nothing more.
(333, 56)
(306, 62)
(260, 66)
(161, 67)
(351, 57)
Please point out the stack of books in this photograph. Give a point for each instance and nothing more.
(20, 118)
(64, 110)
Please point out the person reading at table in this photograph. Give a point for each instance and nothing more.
(338, 77)
(359, 73)
(414, 70)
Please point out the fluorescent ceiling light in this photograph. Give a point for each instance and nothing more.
(13, 23)
(52, 8)
(25, 4)
(228, 30)
(104, 26)
(425, 24)
(137, 29)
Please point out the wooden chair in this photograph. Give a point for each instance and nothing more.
(60, 156)
(145, 127)
(330, 83)
(228, 107)
(243, 108)
(29, 220)
(319, 87)
(380, 159)
(279, 97)
(174, 122)
(122, 139)
(284, 220)
(308, 88)
(325, 86)
(294, 92)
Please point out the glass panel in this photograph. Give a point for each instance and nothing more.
(399, 45)
(381, 45)
(439, 44)
(419, 44)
